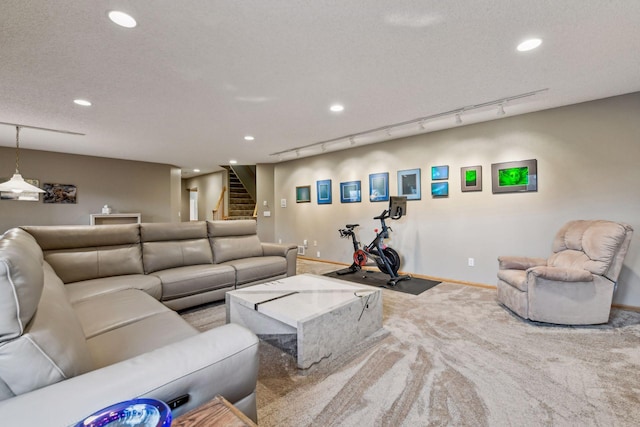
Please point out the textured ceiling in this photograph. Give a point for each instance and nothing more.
(187, 84)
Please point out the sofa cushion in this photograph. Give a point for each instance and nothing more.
(237, 247)
(21, 282)
(113, 310)
(173, 245)
(189, 280)
(74, 265)
(81, 252)
(79, 291)
(258, 268)
(234, 240)
(52, 345)
(140, 337)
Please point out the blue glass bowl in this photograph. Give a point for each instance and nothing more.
(131, 413)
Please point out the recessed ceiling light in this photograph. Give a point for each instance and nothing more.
(336, 108)
(196, 170)
(82, 102)
(249, 138)
(529, 45)
(122, 19)
(233, 162)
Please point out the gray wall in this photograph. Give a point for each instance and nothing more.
(126, 186)
(587, 168)
(209, 188)
(265, 193)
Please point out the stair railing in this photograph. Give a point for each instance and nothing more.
(217, 213)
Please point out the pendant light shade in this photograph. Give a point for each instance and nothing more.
(17, 184)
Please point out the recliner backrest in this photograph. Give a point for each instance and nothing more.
(234, 239)
(39, 330)
(597, 246)
(84, 252)
(170, 245)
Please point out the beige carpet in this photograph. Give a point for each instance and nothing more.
(453, 356)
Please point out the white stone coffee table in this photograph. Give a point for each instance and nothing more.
(313, 317)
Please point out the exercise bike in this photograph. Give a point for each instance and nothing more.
(385, 257)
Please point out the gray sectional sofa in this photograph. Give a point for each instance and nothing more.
(87, 316)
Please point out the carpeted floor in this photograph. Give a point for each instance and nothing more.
(453, 356)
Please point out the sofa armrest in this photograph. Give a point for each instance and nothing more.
(561, 274)
(220, 361)
(277, 249)
(519, 262)
(287, 250)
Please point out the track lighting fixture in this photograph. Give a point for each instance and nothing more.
(323, 147)
(421, 121)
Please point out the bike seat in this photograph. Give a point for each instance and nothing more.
(352, 226)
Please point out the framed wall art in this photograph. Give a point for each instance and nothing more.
(350, 192)
(471, 178)
(60, 193)
(379, 187)
(25, 196)
(323, 188)
(514, 177)
(439, 189)
(439, 172)
(303, 194)
(409, 184)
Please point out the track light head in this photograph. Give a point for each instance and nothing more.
(458, 119)
(352, 140)
(501, 109)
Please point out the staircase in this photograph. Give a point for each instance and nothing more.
(241, 204)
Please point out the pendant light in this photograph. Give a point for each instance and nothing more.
(17, 184)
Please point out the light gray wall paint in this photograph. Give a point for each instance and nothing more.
(126, 186)
(587, 169)
(209, 188)
(265, 193)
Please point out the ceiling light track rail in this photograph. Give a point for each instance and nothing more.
(68, 132)
(421, 121)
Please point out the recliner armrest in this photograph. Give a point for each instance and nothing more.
(519, 262)
(221, 361)
(561, 274)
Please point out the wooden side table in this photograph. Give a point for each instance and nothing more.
(218, 412)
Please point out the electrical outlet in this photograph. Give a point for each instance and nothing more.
(305, 243)
(280, 241)
(318, 254)
(315, 243)
(471, 262)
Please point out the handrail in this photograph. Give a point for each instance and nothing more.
(220, 201)
(255, 211)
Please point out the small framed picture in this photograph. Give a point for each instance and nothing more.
(303, 194)
(59, 193)
(379, 187)
(323, 188)
(471, 178)
(514, 177)
(409, 184)
(439, 189)
(439, 172)
(350, 192)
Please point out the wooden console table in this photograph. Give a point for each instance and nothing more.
(218, 412)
